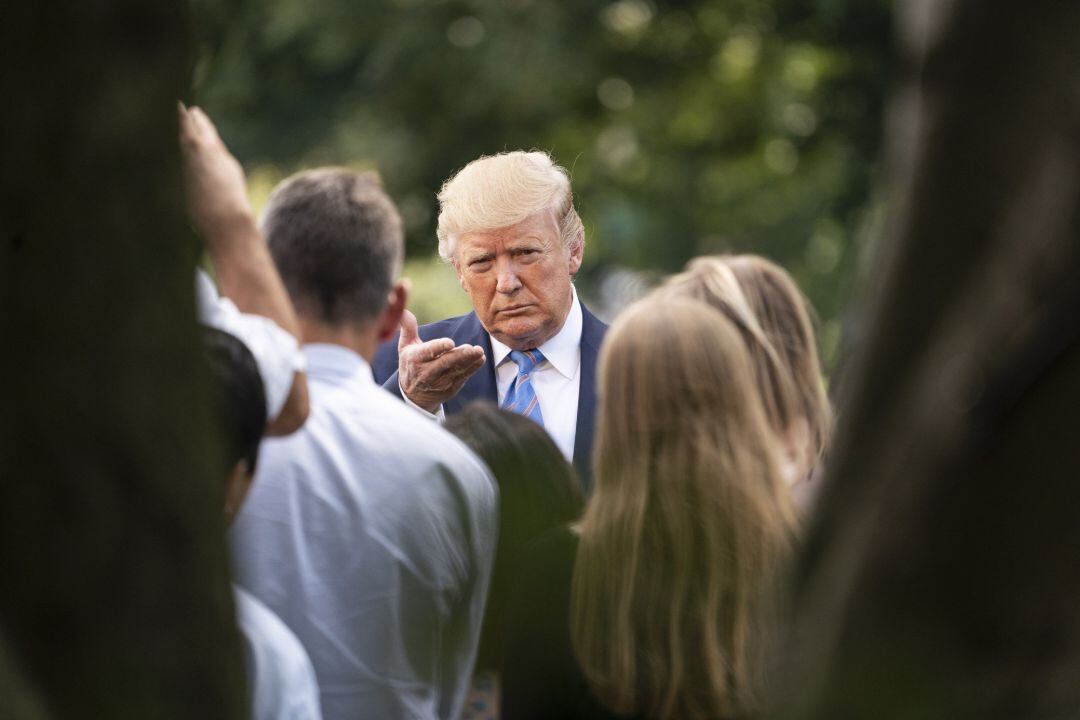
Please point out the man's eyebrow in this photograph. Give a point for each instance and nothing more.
(479, 257)
(526, 240)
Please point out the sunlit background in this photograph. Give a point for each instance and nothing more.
(688, 128)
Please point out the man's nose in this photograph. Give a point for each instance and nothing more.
(507, 281)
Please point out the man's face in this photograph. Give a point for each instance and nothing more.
(518, 279)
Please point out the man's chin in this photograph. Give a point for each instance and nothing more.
(520, 336)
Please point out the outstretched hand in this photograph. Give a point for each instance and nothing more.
(432, 372)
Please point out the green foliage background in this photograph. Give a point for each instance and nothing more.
(688, 127)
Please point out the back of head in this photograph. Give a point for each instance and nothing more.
(711, 281)
(498, 191)
(337, 241)
(538, 491)
(785, 316)
(688, 524)
(238, 390)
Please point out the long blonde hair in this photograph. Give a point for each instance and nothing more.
(689, 522)
(785, 315)
(711, 281)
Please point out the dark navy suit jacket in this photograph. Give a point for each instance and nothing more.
(466, 329)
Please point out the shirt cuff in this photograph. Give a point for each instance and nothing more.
(438, 416)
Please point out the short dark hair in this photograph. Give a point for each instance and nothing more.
(538, 491)
(240, 400)
(337, 240)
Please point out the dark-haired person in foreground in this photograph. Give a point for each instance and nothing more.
(281, 681)
(371, 530)
(538, 491)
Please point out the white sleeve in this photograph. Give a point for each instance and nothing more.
(438, 416)
(276, 351)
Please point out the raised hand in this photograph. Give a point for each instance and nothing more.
(220, 211)
(432, 372)
(214, 182)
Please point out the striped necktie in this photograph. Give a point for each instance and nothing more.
(521, 398)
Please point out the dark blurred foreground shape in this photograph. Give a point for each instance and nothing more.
(942, 577)
(114, 595)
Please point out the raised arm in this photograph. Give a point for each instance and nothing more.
(221, 212)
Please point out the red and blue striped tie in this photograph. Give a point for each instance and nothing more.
(521, 398)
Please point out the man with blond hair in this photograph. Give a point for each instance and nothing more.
(508, 226)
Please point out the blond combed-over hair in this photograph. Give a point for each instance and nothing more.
(689, 524)
(497, 191)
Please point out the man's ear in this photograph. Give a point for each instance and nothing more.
(390, 320)
(577, 252)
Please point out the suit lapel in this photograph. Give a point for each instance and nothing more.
(481, 386)
(592, 335)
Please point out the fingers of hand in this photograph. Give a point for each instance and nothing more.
(460, 359)
(205, 126)
(426, 352)
(471, 369)
(189, 134)
(457, 379)
(197, 132)
(409, 333)
(457, 363)
(448, 370)
(477, 363)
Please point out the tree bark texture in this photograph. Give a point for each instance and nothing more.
(114, 592)
(941, 574)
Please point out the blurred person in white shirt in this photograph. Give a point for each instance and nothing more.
(281, 680)
(370, 531)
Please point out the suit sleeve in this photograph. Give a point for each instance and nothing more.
(392, 386)
(385, 362)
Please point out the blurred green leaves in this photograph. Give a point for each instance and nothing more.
(688, 127)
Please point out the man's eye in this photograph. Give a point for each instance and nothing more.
(479, 265)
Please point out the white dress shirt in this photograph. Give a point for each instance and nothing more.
(556, 381)
(277, 353)
(371, 534)
(281, 681)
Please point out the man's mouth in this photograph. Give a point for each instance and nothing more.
(514, 309)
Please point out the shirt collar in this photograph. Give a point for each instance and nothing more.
(336, 364)
(563, 350)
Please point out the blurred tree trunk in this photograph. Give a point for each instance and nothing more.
(114, 594)
(942, 572)
(19, 700)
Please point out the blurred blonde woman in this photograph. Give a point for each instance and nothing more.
(784, 314)
(658, 606)
(711, 281)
